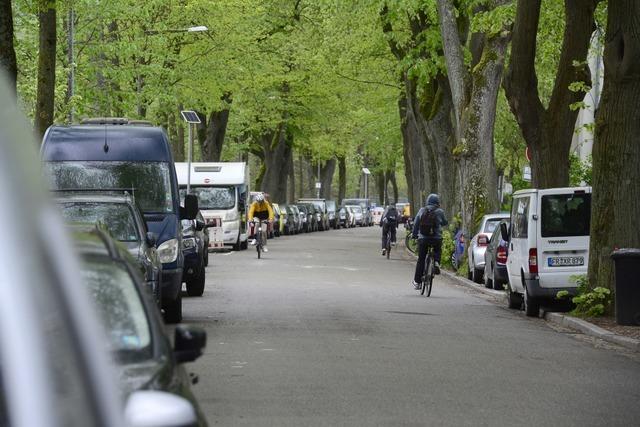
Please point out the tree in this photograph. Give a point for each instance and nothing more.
(616, 155)
(46, 66)
(548, 130)
(7, 51)
(474, 92)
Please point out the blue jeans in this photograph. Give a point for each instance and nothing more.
(423, 246)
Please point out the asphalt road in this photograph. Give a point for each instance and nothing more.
(325, 331)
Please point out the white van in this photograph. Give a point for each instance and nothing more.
(549, 243)
(222, 189)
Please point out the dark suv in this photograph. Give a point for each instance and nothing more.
(195, 248)
(118, 213)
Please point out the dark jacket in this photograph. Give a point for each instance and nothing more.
(390, 210)
(433, 202)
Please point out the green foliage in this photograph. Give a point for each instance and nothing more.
(448, 246)
(589, 302)
(579, 171)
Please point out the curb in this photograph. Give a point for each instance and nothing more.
(557, 318)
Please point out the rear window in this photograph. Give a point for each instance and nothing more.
(490, 225)
(566, 215)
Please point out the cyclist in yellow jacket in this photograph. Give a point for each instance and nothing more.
(261, 209)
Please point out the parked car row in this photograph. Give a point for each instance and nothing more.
(82, 340)
(537, 250)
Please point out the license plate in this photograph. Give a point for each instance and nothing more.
(563, 261)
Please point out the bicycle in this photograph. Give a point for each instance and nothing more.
(429, 273)
(258, 233)
(388, 242)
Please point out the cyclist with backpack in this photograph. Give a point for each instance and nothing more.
(389, 222)
(427, 228)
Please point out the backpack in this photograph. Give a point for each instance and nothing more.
(428, 222)
(392, 216)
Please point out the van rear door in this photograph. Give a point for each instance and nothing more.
(517, 261)
(563, 235)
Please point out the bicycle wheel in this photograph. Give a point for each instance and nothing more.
(429, 276)
(388, 245)
(423, 288)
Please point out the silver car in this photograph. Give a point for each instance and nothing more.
(478, 245)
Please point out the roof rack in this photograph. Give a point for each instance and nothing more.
(115, 121)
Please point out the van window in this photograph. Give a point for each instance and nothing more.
(212, 197)
(566, 215)
(490, 225)
(150, 181)
(520, 217)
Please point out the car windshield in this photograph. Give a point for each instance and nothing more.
(210, 198)
(120, 307)
(490, 225)
(566, 215)
(150, 181)
(117, 217)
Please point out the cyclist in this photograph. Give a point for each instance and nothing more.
(261, 209)
(427, 228)
(389, 222)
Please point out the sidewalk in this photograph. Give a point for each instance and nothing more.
(622, 336)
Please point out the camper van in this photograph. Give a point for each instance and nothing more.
(222, 189)
(548, 244)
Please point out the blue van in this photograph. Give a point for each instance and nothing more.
(118, 153)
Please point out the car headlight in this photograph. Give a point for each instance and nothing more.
(188, 243)
(168, 251)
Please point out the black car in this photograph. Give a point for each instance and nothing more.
(117, 212)
(495, 257)
(312, 220)
(143, 353)
(332, 211)
(195, 249)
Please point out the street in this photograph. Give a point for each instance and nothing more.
(325, 331)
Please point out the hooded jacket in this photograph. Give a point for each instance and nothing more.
(433, 202)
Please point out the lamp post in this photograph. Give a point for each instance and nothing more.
(191, 118)
(366, 175)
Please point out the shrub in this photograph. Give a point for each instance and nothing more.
(589, 302)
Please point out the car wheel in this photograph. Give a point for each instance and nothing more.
(531, 305)
(236, 246)
(244, 245)
(195, 287)
(477, 275)
(173, 310)
(514, 299)
(488, 283)
(206, 257)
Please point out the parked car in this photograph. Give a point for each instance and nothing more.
(495, 260)
(299, 218)
(195, 248)
(142, 351)
(365, 205)
(548, 244)
(117, 211)
(275, 228)
(458, 247)
(293, 220)
(376, 214)
(332, 211)
(358, 217)
(309, 220)
(478, 245)
(321, 212)
(119, 153)
(54, 365)
(344, 217)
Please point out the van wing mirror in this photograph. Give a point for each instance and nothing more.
(504, 232)
(190, 206)
(158, 408)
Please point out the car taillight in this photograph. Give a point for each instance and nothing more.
(501, 255)
(483, 240)
(533, 261)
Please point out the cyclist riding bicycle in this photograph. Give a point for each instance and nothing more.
(261, 209)
(427, 228)
(389, 222)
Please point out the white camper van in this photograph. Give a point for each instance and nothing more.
(548, 244)
(222, 189)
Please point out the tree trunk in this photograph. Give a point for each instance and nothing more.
(616, 151)
(549, 131)
(291, 186)
(394, 185)
(342, 179)
(46, 66)
(327, 171)
(301, 176)
(216, 129)
(277, 150)
(7, 51)
(380, 183)
(474, 96)
(311, 179)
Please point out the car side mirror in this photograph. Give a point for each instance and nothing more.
(504, 232)
(190, 206)
(151, 408)
(189, 342)
(152, 239)
(200, 225)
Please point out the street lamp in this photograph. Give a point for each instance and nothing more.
(191, 117)
(366, 174)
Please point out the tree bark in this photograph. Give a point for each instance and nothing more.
(549, 131)
(474, 96)
(45, 97)
(277, 150)
(342, 179)
(7, 51)
(616, 150)
(291, 185)
(327, 171)
(215, 130)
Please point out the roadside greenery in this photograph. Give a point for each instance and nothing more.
(588, 302)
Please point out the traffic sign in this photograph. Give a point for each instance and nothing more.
(318, 185)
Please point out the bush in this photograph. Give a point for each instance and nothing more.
(448, 246)
(589, 302)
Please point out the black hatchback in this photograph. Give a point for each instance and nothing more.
(135, 334)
